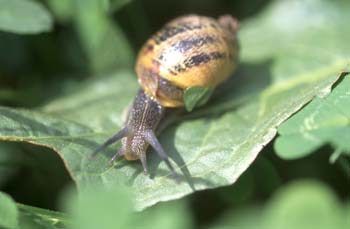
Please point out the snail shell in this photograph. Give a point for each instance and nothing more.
(188, 51)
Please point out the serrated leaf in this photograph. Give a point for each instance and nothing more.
(323, 121)
(213, 145)
(24, 17)
(8, 212)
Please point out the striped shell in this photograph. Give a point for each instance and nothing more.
(188, 51)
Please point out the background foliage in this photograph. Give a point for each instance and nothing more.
(63, 62)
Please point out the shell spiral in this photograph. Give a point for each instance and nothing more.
(188, 51)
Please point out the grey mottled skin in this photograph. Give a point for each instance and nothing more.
(139, 132)
(144, 116)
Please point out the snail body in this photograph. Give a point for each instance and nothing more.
(188, 51)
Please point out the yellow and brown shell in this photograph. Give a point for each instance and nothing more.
(188, 51)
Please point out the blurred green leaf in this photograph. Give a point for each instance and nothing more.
(8, 212)
(347, 214)
(98, 207)
(37, 218)
(114, 5)
(24, 17)
(303, 28)
(214, 145)
(15, 216)
(170, 215)
(62, 9)
(305, 205)
(104, 42)
(196, 96)
(324, 120)
(302, 204)
(8, 161)
(39, 174)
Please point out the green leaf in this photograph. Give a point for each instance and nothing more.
(103, 40)
(98, 207)
(8, 161)
(62, 9)
(212, 146)
(37, 218)
(196, 96)
(346, 215)
(301, 204)
(24, 17)
(114, 5)
(15, 216)
(8, 212)
(304, 205)
(324, 120)
(170, 215)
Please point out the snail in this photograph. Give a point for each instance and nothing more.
(189, 51)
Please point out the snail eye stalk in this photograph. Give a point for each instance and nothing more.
(151, 138)
(121, 134)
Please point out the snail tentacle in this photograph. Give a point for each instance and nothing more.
(151, 138)
(119, 135)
